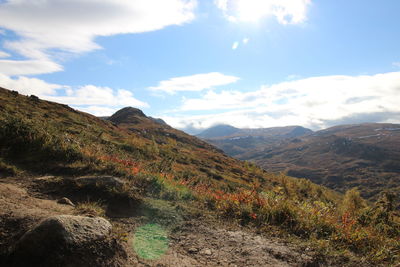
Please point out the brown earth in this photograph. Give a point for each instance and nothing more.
(199, 244)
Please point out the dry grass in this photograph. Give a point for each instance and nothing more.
(90, 208)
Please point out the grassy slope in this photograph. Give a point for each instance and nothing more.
(147, 143)
(40, 137)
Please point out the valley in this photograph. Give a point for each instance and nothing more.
(365, 156)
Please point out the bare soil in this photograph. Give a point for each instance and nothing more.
(199, 244)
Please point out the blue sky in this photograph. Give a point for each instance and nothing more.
(248, 63)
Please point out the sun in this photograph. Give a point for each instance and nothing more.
(253, 10)
(285, 11)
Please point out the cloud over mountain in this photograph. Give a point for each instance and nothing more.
(315, 102)
(97, 100)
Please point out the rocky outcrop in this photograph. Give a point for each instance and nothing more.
(57, 240)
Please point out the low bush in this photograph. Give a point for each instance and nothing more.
(22, 137)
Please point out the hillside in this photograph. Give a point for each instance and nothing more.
(128, 134)
(132, 191)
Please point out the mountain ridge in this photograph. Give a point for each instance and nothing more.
(340, 157)
(225, 130)
(240, 141)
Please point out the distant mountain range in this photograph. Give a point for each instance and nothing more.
(238, 142)
(221, 130)
(366, 156)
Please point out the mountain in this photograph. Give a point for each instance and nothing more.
(128, 115)
(77, 190)
(237, 142)
(123, 112)
(366, 156)
(158, 120)
(218, 131)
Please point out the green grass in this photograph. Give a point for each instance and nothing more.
(150, 241)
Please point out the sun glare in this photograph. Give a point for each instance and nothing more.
(253, 10)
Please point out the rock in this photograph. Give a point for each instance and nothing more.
(65, 201)
(193, 250)
(34, 98)
(206, 252)
(57, 236)
(100, 181)
(45, 178)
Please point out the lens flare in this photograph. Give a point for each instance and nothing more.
(150, 241)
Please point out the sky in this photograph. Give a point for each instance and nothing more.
(199, 63)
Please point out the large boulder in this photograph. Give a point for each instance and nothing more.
(64, 240)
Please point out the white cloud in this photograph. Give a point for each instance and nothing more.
(4, 54)
(316, 102)
(396, 64)
(197, 82)
(90, 95)
(99, 110)
(235, 45)
(89, 98)
(245, 118)
(245, 40)
(215, 101)
(28, 67)
(45, 26)
(285, 11)
(28, 86)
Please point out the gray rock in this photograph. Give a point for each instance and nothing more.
(206, 252)
(65, 201)
(58, 233)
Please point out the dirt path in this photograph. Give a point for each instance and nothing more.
(196, 244)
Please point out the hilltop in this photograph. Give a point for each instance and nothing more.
(129, 180)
